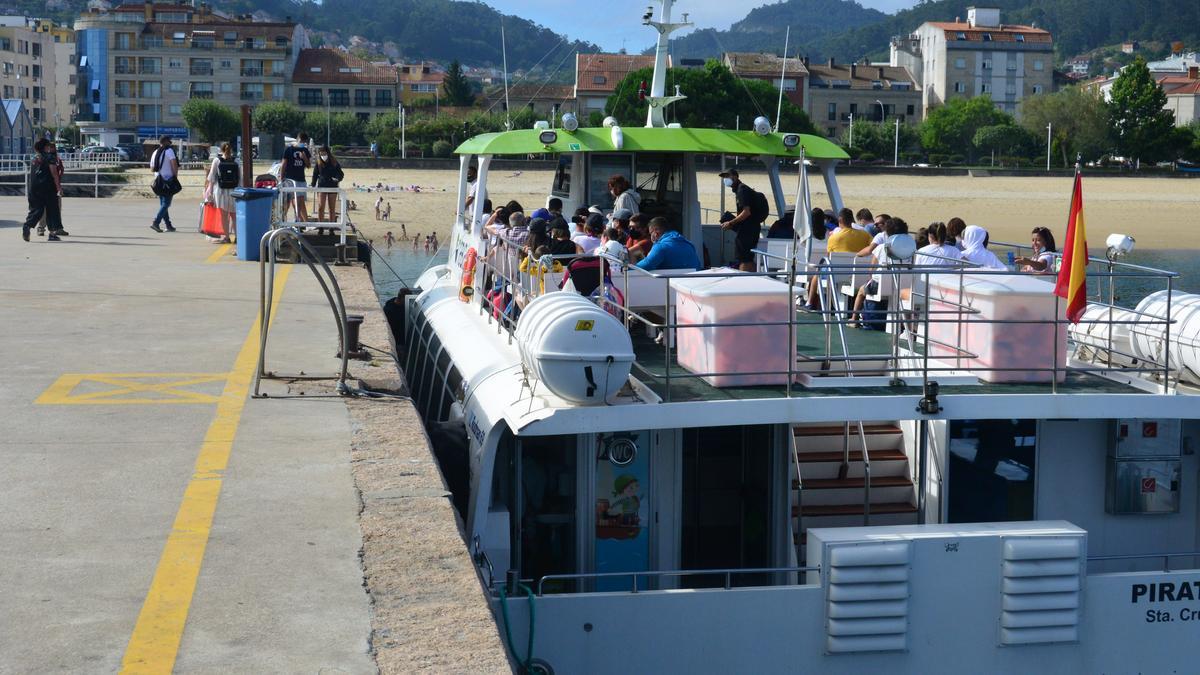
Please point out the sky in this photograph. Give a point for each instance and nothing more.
(616, 23)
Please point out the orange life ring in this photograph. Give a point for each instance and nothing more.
(466, 289)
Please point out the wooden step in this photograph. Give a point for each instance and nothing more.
(855, 482)
(839, 429)
(890, 455)
(816, 510)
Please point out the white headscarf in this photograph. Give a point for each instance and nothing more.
(974, 252)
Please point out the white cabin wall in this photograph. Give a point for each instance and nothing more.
(1070, 476)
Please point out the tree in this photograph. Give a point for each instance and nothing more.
(213, 121)
(951, 128)
(716, 98)
(277, 117)
(1141, 127)
(456, 86)
(1078, 121)
(1003, 139)
(879, 139)
(343, 128)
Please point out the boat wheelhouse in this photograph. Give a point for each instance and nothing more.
(702, 473)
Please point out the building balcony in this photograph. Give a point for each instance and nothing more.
(150, 71)
(252, 72)
(202, 94)
(125, 70)
(252, 96)
(201, 70)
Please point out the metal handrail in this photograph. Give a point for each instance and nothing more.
(799, 532)
(481, 557)
(268, 248)
(728, 572)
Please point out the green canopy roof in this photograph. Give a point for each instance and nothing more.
(646, 139)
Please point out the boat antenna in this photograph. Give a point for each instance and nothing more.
(658, 99)
(504, 54)
(782, 75)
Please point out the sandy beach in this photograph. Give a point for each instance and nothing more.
(1158, 212)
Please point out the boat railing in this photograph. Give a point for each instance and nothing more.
(925, 311)
(728, 573)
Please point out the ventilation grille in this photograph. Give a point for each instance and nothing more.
(866, 601)
(1040, 590)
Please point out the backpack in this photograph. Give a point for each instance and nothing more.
(41, 180)
(759, 209)
(229, 174)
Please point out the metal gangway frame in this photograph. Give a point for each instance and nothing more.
(268, 251)
(342, 224)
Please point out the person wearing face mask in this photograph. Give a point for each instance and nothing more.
(752, 210)
(45, 190)
(671, 251)
(624, 196)
(327, 173)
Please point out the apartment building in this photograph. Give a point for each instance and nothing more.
(420, 81)
(37, 68)
(549, 101)
(770, 67)
(839, 92)
(139, 63)
(962, 59)
(597, 77)
(333, 80)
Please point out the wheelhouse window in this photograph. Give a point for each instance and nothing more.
(991, 472)
(562, 176)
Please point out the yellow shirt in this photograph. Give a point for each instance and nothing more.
(847, 240)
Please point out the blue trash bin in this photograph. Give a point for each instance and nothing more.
(253, 219)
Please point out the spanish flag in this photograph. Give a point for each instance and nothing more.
(1072, 275)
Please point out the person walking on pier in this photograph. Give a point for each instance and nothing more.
(45, 190)
(165, 164)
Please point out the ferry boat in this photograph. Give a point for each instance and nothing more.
(701, 474)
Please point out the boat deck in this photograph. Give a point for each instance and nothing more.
(651, 368)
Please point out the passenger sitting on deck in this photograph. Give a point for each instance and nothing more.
(880, 235)
(783, 228)
(638, 242)
(954, 232)
(620, 220)
(671, 251)
(937, 251)
(612, 245)
(590, 239)
(893, 226)
(975, 251)
(560, 241)
(1042, 261)
(865, 221)
(845, 239)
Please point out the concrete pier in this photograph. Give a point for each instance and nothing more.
(155, 517)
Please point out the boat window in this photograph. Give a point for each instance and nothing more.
(604, 167)
(992, 468)
(562, 176)
(660, 184)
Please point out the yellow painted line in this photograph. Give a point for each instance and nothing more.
(123, 384)
(154, 643)
(219, 254)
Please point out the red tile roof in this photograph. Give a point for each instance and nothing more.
(337, 67)
(611, 67)
(1001, 33)
(753, 64)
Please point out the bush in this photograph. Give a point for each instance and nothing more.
(956, 159)
(442, 149)
(937, 158)
(867, 157)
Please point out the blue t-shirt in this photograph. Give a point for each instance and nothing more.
(671, 252)
(295, 160)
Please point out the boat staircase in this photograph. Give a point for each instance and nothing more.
(835, 485)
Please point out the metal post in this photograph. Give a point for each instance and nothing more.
(247, 147)
(851, 130)
(896, 148)
(922, 464)
(1049, 128)
(400, 123)
(1167, 340)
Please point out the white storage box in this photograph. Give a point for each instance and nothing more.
(1021, 346)
(730, 350)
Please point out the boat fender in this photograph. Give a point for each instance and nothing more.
(618, 138)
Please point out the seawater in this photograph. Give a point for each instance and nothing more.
(408, 265)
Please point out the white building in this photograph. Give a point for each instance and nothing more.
(957, 59)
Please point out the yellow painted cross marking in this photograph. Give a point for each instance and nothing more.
(130, 388)
(219, 254)
(154, 643)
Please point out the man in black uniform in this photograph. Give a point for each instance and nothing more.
(752, 210)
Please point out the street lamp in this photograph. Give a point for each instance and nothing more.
(400, 123)
(882, 111)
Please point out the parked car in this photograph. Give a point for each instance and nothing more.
(135, 151)
(105, 150)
